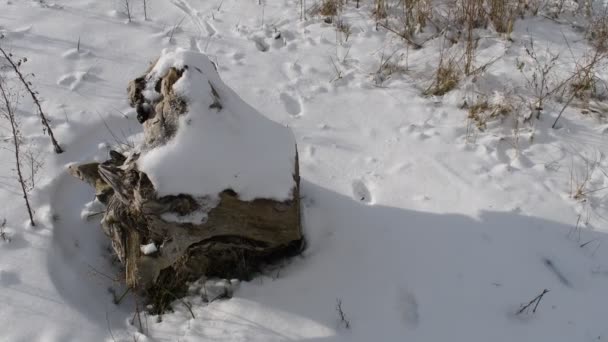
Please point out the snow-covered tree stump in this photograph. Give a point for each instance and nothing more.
(213, 190)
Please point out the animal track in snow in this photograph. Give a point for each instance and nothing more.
(408, 305)
(76, 54)
(420, 132)
(202, 25)
(70, 80)
(17, 33)
(292, 105)
(260, 44)
(238, 56)
(73, 80)
(361, 191)
(292, 70)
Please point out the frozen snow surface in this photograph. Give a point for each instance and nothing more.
(421, 226)
(214, 149)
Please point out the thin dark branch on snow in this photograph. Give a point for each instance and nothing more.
(9, 114)
(534, 302)
(343, 319)
(46, 127)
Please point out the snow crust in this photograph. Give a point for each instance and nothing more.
(232, 148)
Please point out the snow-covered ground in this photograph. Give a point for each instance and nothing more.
(423, 228)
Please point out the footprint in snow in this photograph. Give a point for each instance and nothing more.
(17, 33)
(278, 41)
(361, 191)
(500, 153)
(237, 56)
(70, 81)
(76, 53)
(408, 305)
(293, 70)
(260, 44)
(420, 132)
(292, 105)
(193, 44)
(73, 80)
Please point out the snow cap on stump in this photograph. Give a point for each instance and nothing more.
(221, 142)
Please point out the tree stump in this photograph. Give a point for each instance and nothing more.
(166, 238)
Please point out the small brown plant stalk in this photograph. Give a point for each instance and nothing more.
(330, 8)
(472, 19)
(380, 11)
(446, 76)
(343, 319)
(402, 35)
(539, 82)
(127, 6)
(8, 112)
(582, 83)
(45, 122)
(3, 234)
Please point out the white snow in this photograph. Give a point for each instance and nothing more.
(424, 228)
(233, 148)
(148, 249)
(92, 209)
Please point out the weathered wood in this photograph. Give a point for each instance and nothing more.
(263, 227)
(235, 241)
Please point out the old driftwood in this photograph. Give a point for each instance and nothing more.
(234, 241)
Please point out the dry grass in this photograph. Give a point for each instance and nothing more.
(416, 15)
(470, 14)
(393, 67)
(446, 77)
(531, 6)
(345, 28)
(380, 9)
(502, 15)
(329, 8)
(597, 32)
(388, 67)
(583, 86)
(484, 111)
(581, 184)
(540, 78)
(473, 14)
